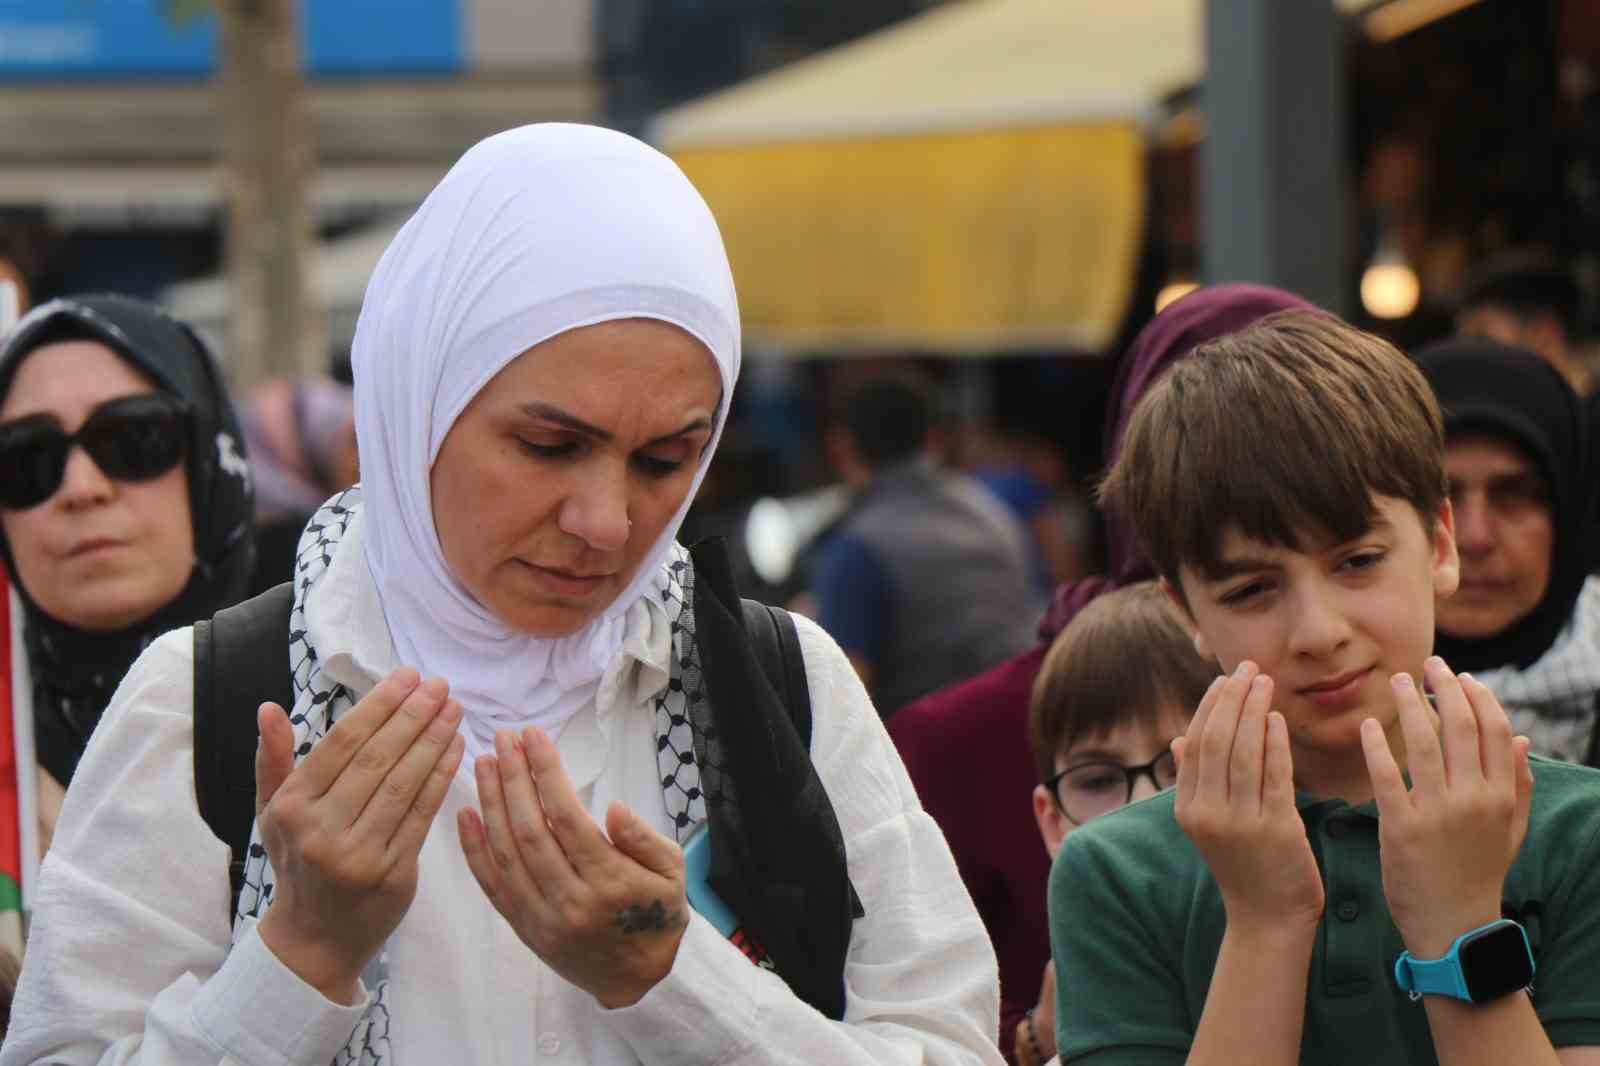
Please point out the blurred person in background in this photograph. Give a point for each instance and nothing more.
(125, 505)
(301, 437)
(1029, 473)
(925, 580)
(1530, 300)
(1526, 618)
(967, 746)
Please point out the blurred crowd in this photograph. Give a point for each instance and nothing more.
(1013, 636)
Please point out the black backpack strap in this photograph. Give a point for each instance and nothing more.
(241, 660)
(776, 643)
(777, 646)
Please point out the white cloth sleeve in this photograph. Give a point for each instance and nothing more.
(921, 981)
(128, 959)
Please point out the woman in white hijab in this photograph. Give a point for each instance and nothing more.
(484, 866)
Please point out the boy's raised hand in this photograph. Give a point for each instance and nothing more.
(1235, 800)
(1446, 844)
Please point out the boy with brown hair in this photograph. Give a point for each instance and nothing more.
(1344, 873)
(1115, 688)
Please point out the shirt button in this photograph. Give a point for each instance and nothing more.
(1347, 910)
(549, 1044)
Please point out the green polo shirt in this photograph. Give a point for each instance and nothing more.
(1136, 923)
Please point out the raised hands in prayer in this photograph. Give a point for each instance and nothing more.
(344, 827)
(605, 914)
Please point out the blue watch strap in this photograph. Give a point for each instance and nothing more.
(1444, 976)
(1431, 977)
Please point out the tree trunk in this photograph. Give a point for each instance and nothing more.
(277, 332)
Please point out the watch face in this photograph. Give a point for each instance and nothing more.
(1496, 962)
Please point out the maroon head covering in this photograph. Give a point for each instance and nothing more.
(1203, 315)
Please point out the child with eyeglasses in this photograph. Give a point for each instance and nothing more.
(1116, 687)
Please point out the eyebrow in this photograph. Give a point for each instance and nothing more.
(1239, 565)
(1235, 566)
(1078, 756)
(557, 415)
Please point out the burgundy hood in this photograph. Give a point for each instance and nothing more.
(1203, 315)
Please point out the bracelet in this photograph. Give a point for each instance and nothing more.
(1033, 1037)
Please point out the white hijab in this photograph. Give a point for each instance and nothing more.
(534, 232)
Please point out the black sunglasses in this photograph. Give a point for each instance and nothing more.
(131, 438)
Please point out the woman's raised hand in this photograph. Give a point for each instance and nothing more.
(344, 826)
(605, 914)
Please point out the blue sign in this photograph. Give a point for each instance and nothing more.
(76, 39)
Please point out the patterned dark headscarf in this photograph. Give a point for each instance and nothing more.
(1512, 394)
(76, 671)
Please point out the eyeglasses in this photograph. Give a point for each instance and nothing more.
(131, 438)
(1091, 789)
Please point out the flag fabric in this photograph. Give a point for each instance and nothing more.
(12, 774)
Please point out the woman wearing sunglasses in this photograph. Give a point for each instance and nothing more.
(125, 509)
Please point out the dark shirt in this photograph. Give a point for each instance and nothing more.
(1137, 922)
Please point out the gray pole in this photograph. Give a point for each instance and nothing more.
(1273, 177)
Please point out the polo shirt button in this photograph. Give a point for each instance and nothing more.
(549, 1044)
(1347, 910)
(1338, 828)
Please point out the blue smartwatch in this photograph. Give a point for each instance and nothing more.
(1483, 964)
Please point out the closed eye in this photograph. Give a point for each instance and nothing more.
(549, 451)
(655, 466)
(1244, 593)
(1363, 561)
(651, 466)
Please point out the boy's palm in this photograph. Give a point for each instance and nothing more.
(1235, 801)
(1447, 842)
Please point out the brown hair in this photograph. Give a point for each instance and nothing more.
(1293, 423)
(1123, 659)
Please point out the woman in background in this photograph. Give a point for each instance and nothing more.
(125, 508)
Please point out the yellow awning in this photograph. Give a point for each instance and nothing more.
(970, 179)
(970, 241)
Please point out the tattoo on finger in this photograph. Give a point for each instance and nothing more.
(654, 918)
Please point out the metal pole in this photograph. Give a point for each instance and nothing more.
(1273, 173)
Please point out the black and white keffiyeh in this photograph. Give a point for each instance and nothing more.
(1552, 701)
(320, 701)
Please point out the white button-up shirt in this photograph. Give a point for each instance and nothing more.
(129, 959)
